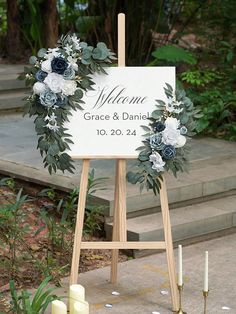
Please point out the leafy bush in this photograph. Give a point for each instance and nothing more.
(172, 55)
(11, 230)
(23, 303)
(199, 77)
(218, 108)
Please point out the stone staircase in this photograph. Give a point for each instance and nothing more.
(202, 204)
(12, 91)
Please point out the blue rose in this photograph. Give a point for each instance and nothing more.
(168, 152)
(183, 130)
(48, 98)
(69, 74)
(159, 126)
(59, 65)
(61, 101)
(155, 141)
(41, 75)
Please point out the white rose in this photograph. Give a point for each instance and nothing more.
(170, 136)
(39, 88)
(69, 87)
(172, 123)
(181, 140)
(46, 66)
(158, 163)
(55, 82)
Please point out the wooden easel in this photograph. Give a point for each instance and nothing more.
(119, 236)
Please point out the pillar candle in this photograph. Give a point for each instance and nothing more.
(59, 307)
(180, 266)
(206, 272)
(77, 293)
(81, 307)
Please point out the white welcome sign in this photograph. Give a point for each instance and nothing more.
(122, 101)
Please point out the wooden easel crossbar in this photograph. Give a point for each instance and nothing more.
(119, 235)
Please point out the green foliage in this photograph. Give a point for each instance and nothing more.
(139, 25)
(31, 23)
(213, 92)
(59, 220)
(86, 24)
(200, 77)
(11, 229)
(3, 19)
(218, 108)
(8, 181)
(93, 211)
(23, 303)
(48, 192)
(67, 208)
(57, 217)
(172, 55)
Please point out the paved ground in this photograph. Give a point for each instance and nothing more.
(142, 280)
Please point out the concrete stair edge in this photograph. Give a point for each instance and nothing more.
(13, 100)
(219, 215)
(136, 205)
(7, 85)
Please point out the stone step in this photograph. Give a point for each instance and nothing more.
(11, 83)
(211, 179)
(11, 100)
(187, 222)
(8, 77)
(212, 173)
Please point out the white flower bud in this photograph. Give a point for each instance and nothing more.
(46, 66)
(39, 88)
(181, 140)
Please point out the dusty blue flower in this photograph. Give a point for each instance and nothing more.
(59, 65)
(155, 141)
(183, 130)
(48, 98)
(69, 73)
(61, 101)
(41, 75)
(159, 126)
(168, 152)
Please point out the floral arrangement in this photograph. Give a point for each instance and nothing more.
(166, 140)
(59, 77)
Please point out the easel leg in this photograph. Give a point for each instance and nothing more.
(115, 253)
(119, 220)
(169, 245)
(79, 222)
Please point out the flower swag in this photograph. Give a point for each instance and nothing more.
(59, 77)
(166, 141)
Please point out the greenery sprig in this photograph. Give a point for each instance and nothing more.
(59, 78)
(166, 140)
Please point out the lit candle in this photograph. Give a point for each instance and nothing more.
(81, 307)
(77, 293)
(206, 272)
(59, 307)
(180, 266)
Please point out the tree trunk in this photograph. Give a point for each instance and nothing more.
(50, 23)
(13, 30)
